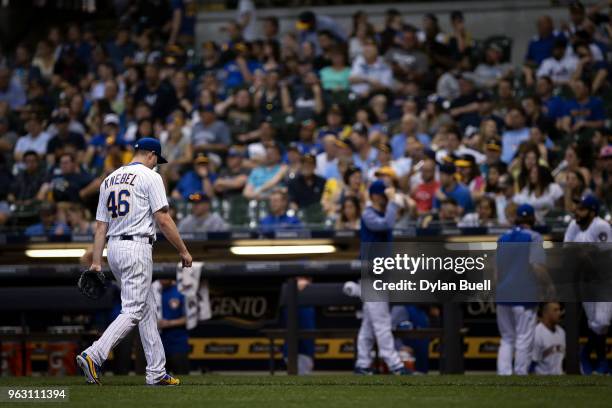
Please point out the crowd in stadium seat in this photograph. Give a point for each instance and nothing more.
(288, 129)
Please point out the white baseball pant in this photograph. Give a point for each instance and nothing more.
(376, 326)
(598, 316)
(517, 328)
(305, 364)
(132, 265)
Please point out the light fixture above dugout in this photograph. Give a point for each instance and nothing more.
(282, 250)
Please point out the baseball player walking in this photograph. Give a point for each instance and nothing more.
(588, 227)
(377, 226)
(132, 200)
(519, 259)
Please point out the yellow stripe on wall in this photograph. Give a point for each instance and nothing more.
(256, 348)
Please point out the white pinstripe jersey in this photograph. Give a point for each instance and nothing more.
(129, 197)
(598, 231)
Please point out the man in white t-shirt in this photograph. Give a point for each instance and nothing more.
(36, 139)
(247, 19)
(560, 66)
(370, 73)
(549, 342)
(328, 157)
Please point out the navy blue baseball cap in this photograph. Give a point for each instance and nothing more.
(151, 145)
(429, 152)
(525, 210)
(235, 152)
(448, 168)
(198, 197)
(590, 202)
(378, 187)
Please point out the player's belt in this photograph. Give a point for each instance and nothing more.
(139, 238)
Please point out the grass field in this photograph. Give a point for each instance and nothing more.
(334, 391)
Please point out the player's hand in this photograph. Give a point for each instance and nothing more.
(163, 324)
(186, 259)
(95, 267)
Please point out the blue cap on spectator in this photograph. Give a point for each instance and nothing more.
(151, 145)
(234, 152)
(590, 202)
(525, 210)
(447, 168)
(378, 187)
(198, 197)
(429, 152)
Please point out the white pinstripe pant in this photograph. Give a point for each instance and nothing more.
(517, 328)
(598, 315)
(376, 327)
(132, 264)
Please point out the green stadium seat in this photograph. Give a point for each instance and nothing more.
(312, 215)
(24, 215)
(236, 210)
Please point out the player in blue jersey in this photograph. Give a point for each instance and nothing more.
(520, 260)
(377, 224)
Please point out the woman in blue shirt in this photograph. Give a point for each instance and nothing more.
(336, 76)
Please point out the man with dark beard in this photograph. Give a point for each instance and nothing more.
(587, 226)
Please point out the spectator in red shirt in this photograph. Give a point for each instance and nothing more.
(424, 193)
